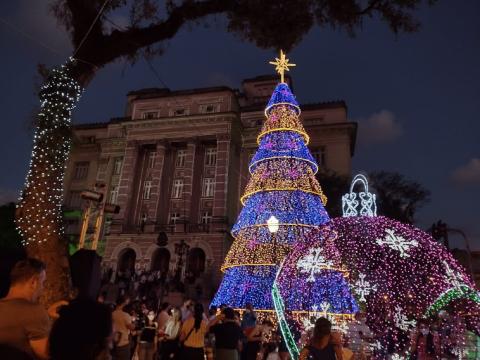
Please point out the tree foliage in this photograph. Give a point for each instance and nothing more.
(334, 186)
(267, 23)
(397, 197)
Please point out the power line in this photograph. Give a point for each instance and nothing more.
(28, 36)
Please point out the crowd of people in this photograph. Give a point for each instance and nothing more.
(188, 332)
(148, 286)
(134, 329)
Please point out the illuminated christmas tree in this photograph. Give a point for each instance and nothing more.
(283, 203)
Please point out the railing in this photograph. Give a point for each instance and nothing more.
(217, 224)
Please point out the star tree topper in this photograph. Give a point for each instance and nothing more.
(281, 65)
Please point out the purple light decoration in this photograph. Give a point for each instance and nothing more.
(306, 281)
(407, 266)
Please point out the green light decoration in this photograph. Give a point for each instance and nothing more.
(462, 291)
(286, 333)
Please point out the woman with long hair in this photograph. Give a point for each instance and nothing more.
(192, 335)
(324, 345)
(170, 345)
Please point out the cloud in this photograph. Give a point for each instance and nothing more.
(8, 195)
(379, 128)
(468, 174)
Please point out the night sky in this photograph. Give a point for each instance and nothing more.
(416, 96)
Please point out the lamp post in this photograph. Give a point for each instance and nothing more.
(181, 249)
(273, 226)
(467, 245)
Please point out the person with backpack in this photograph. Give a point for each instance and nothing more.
(324, 344)
(192, 335)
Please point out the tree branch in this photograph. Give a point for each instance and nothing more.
(106, 48)
(371, 6)
(82, 14)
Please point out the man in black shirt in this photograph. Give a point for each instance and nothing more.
(228, 335)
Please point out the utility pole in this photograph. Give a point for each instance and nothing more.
(467, 245)
(440, 231)
(95, 210)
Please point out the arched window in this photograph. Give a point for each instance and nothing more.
(160, 261)
(196, 262)
(126, 260)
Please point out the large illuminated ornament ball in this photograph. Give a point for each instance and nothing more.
(400, 273)
(312, 278)
(394, 273)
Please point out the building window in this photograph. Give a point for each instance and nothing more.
(151, 159)
(209, 108)
(210, 156)
(87, 139)
(148, 115)
(113, 195)
(320, 155)
(81, 170)
(177, 188)
(208, 187)
(75, 200)
(206, 217)
(147, 188)
(180, 112)
(180, 160)
(173, 218)
(117, 166)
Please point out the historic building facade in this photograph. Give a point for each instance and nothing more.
(177, 164)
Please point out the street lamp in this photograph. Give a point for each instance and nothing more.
(181, 249)
(273, 226)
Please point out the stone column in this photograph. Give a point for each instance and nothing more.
(188, 180)
(156, 176)
(127, 181)
(221, 176)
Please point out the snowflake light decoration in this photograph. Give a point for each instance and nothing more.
(324, 306)
(401, 321)
(375, 346)
(460, 352)
(313, 263)
(397, 243)
(363, 288)
(307, 324)
(454, 278)
(340, 326)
